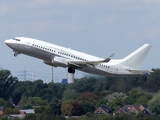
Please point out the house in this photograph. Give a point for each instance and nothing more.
(134, 109)
(17, 115)
(27, 111)
(102, 110)
(124, 109)
(143, 107)
(22, 114)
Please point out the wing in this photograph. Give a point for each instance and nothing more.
(80, 64)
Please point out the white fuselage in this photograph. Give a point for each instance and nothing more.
(56, 56)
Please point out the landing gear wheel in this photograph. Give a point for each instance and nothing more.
(15, 54)
(71, 70)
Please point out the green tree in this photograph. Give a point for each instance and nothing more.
(144, 99)
(46, 94)
(87, 97)
(2, 102)
(114, 103)
(78, 110)
(38, 86)
(154, 76)
(27, 106)
(4, 118)
(40, 109)
(85, 84)
(132, 97)
(154, 104)
(61, 89)
(88, 101)
(7, 84)
(20, 88)
(30, 117)
(104, 117)
(16, 96)
(36, 101)
(153, 81)
(26, 88)
(54, 107)
(8, 111)
(69, 94)
(53, 87)
(71, 108)
(23, 100)
(67, 109)
(9, 104)
(87, 107)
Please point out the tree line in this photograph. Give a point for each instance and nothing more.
(81, 98)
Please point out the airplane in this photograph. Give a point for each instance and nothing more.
(58, 56)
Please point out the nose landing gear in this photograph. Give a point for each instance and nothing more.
(16, 54)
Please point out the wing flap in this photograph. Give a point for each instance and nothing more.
(90, 63)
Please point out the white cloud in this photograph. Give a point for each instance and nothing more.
(107, 20)
(6, 8)
(40, 26)
(24, 29)
(68, 26)
(64, 2)
(119, 3)
(148, 34)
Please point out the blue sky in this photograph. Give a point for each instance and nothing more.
(97, 27)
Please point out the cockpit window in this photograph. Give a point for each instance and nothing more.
(16, 39)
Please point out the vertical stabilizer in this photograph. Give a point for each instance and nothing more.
(135, 59)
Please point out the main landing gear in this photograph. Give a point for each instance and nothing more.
(71, 72)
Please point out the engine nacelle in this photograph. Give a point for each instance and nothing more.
(60, 60)
(50, 63)
(57, 61)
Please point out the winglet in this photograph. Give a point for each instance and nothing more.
(109, 58)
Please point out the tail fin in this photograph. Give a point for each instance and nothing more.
(135, 59)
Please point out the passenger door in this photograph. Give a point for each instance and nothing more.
(27, 45)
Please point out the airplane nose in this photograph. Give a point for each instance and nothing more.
(7, 42)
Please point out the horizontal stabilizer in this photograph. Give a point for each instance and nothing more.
(140, 71)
